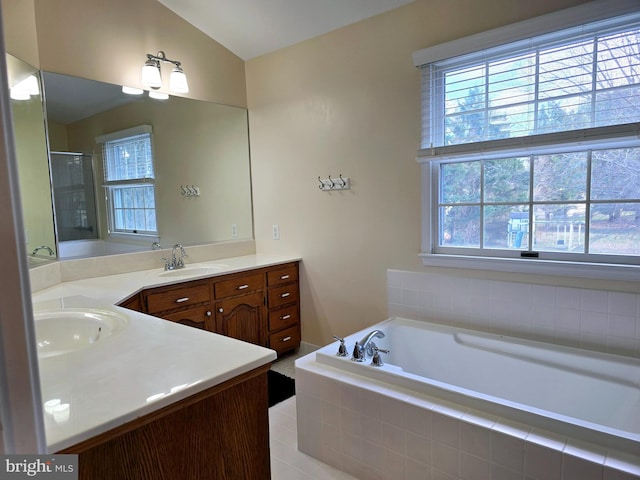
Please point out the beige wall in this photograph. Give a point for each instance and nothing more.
(19, 26)
(108, 41)
(348, 102)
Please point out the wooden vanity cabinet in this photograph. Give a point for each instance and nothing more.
(219, 433)
(260, 306)
(283, 303)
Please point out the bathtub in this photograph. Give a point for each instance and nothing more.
(579, 409)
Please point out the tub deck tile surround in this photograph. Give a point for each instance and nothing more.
(385, 432)
(605, 321)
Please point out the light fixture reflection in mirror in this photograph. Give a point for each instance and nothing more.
(194, 142)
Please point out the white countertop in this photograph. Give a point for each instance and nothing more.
(146, 366)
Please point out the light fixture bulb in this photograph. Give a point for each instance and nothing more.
(30, 84)
(151, 74)
(158, 95)
(17, 93)
(132, 90)
(178, 81)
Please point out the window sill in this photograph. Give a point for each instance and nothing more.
(535, 266)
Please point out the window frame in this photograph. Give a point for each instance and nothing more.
(549, 263)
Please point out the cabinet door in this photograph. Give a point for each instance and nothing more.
(242, 318)
(198, 317)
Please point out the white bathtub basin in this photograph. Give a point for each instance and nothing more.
(66, 330)
(194, 271)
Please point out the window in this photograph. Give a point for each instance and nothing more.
(129, 181)
(531, 149)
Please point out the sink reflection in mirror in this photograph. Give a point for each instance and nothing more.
(66, 330)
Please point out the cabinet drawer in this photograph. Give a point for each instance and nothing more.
(238, 286)
(159, 301)
(283, 317)
(283, 295)
(198, 317)
(282, 275)
(288, 339)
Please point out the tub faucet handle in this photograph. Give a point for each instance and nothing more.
(376, 361)
(342, 349)
(358, 353)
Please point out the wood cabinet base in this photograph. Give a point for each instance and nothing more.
(220, 433)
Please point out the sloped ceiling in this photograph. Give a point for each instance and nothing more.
(250, 28)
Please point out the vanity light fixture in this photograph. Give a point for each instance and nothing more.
(152, 78)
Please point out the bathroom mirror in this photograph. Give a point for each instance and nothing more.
(197, 146)
(33, 166)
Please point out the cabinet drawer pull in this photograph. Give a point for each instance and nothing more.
(286, 339)
(285, 317)
(183, 299)
(242, 287)
(221, 310)
(284, 277)
(208, 313)
(285, 295)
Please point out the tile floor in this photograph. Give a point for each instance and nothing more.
(287, 463)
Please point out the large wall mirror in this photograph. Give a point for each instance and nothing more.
(197, 146)
(201, 167)
(33, 166)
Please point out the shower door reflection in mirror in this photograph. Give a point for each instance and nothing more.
(74, 196)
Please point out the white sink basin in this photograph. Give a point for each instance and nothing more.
(189, 271)
(66, 330)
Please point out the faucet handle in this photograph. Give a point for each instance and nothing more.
(358, 353)
(167, 263)
(376, 361)
(342, 349)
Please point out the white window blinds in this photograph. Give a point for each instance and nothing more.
(567, 81)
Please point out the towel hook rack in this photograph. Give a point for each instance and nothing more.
(329, 183)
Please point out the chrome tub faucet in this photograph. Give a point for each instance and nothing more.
(366, 346)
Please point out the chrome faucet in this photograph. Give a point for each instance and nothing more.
(366, 343)
(43, 247)
(366, 346)
(175, 261)
(178, 262)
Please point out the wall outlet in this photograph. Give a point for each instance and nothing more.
(234, 230)
(275, 232)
